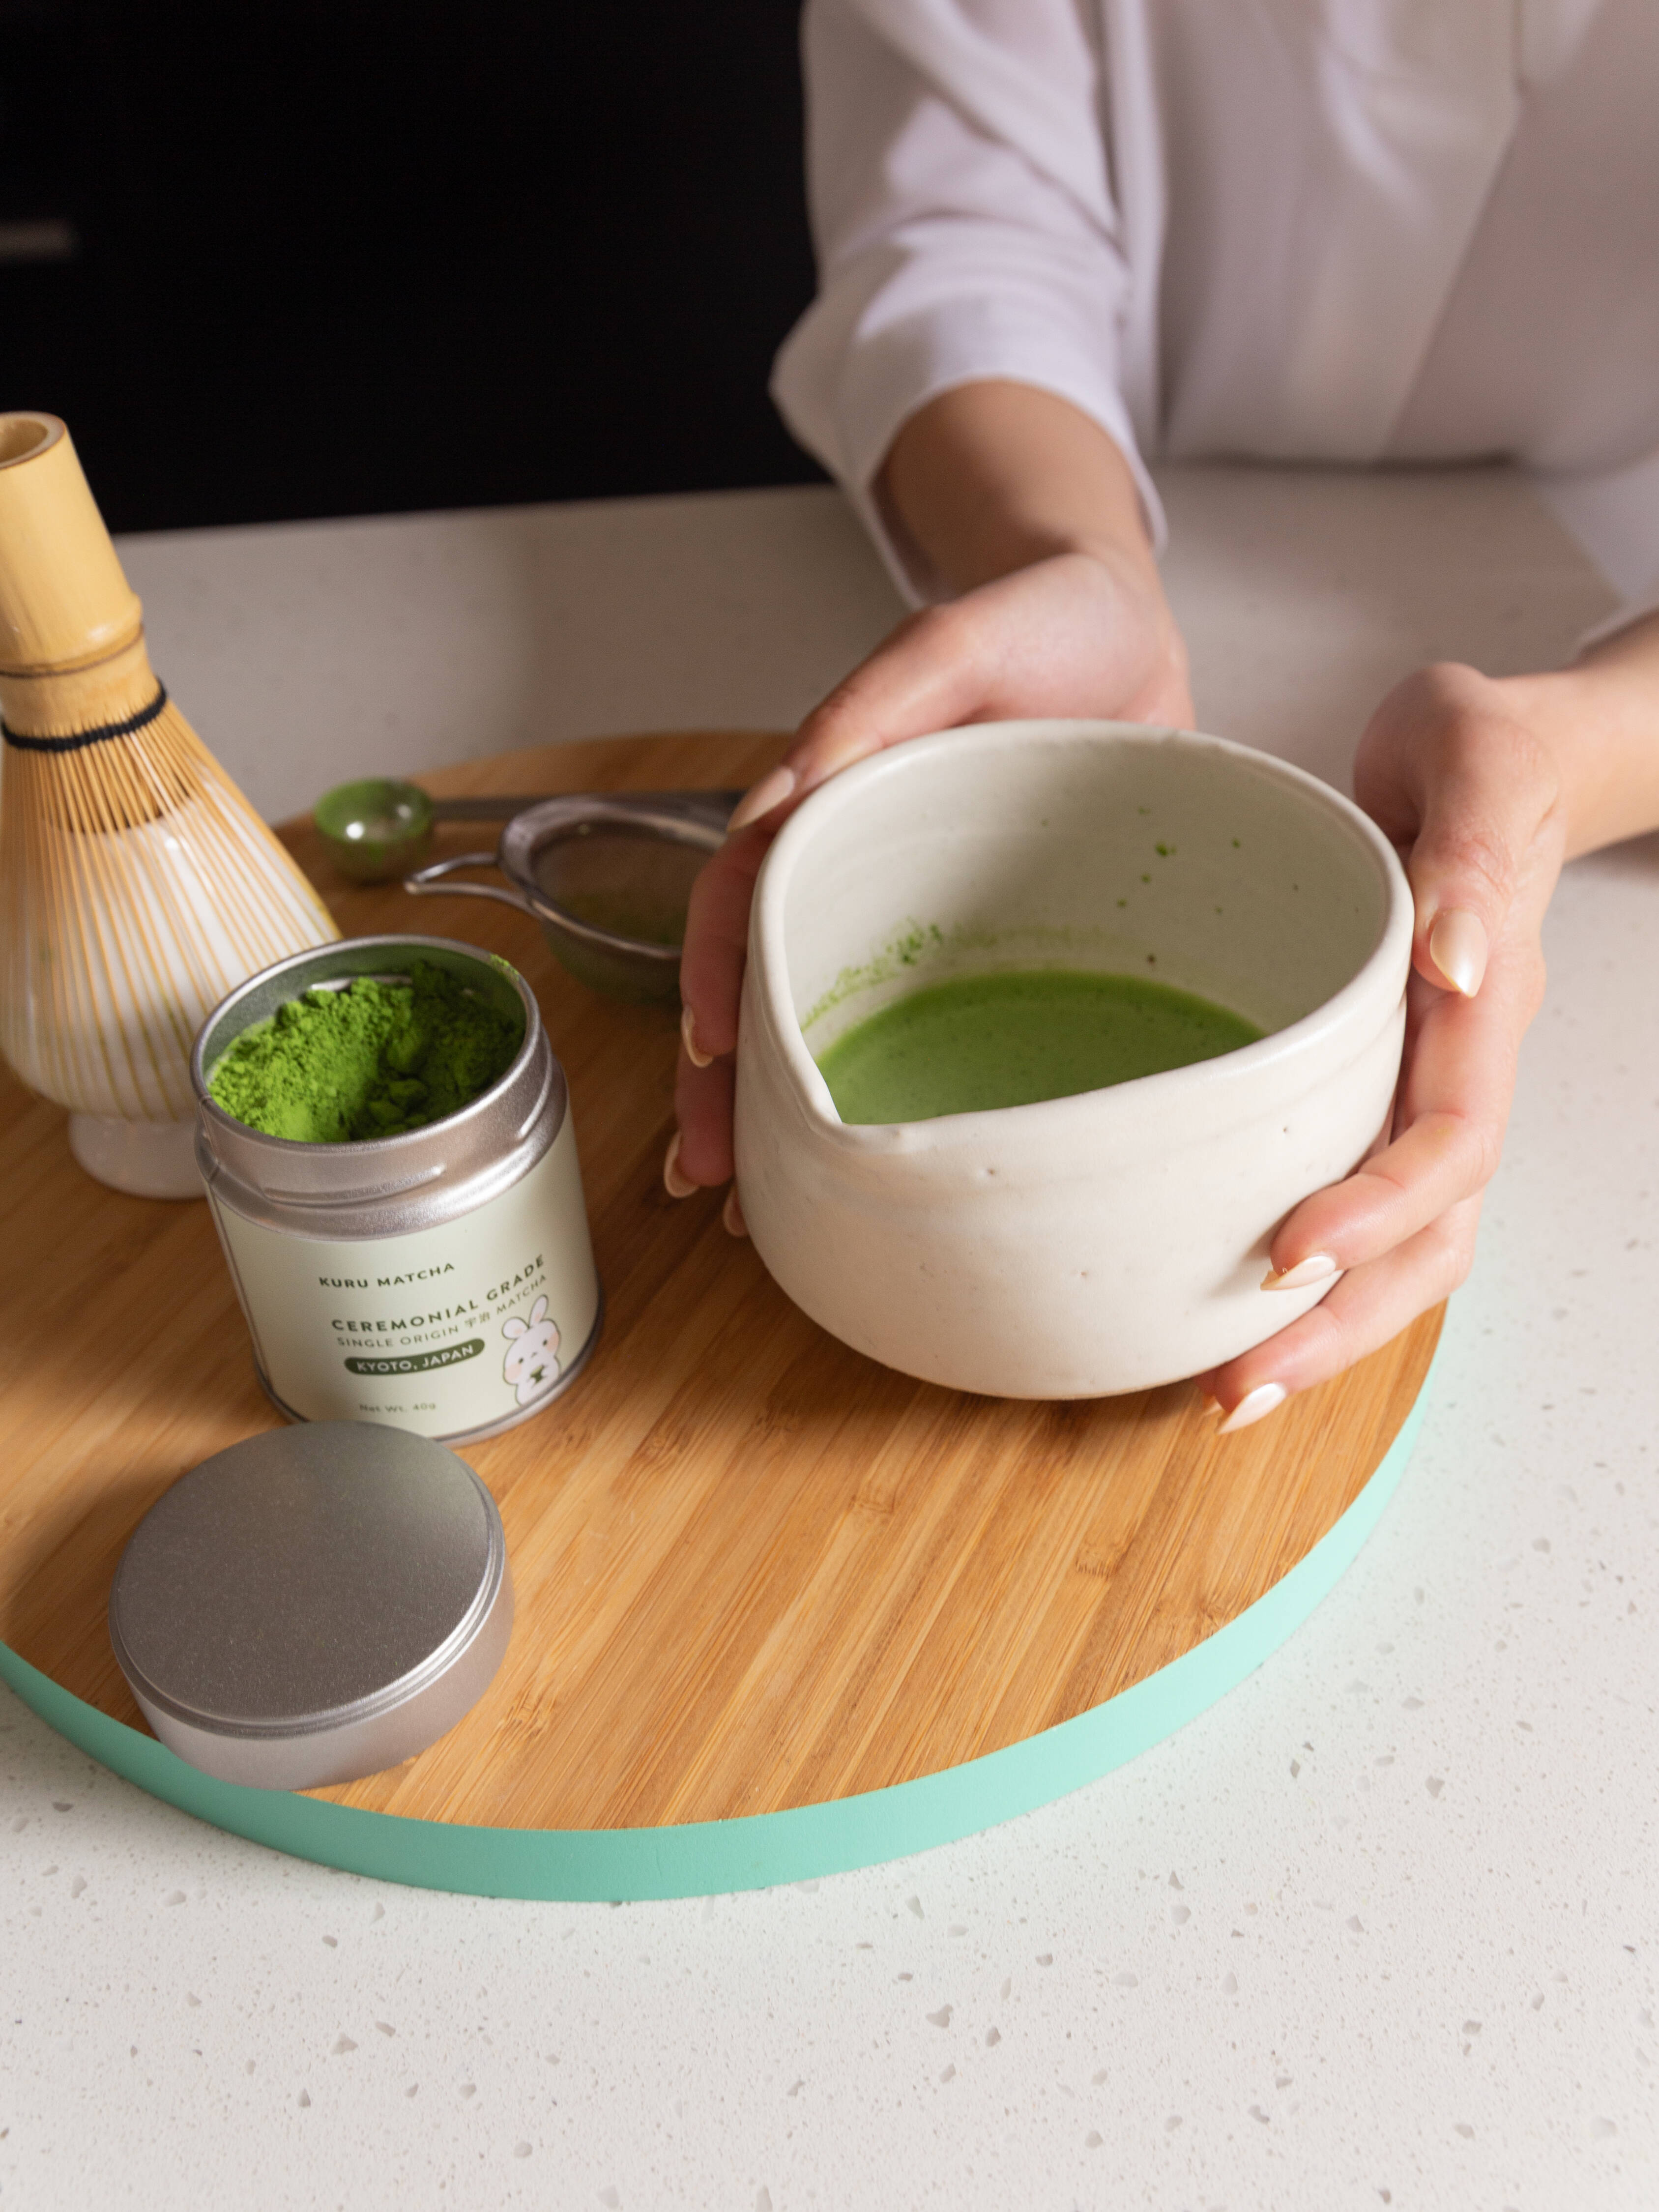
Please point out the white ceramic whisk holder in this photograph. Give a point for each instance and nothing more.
(1114, 1240)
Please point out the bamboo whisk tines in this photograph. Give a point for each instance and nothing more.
(136, 884)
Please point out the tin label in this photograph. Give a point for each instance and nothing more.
(449, 1329)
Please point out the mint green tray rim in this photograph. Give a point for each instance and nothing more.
(704, 1857)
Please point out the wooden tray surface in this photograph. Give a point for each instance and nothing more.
(754, 1570)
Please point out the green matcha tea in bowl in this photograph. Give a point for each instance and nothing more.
(1046, 1027)
(386, 1142)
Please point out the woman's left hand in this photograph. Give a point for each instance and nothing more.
(1460, 773)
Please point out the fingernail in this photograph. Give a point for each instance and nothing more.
(1261, 1401)
(732, 1214)
(771, 791)
(676, 1184)
(1313, 1269)
(1457, 947)
(693, 1051)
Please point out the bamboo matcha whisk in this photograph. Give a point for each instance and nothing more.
(136, 883)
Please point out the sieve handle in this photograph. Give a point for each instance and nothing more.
(711, 806)
(500, 806)
(428, 881)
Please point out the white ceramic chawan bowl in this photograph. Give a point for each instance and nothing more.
(1116, 1239)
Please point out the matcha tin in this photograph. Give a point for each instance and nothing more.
(439, 1281)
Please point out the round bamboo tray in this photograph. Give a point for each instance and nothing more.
(781, 1612)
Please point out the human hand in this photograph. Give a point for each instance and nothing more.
(1465, 776)
(1077, 633)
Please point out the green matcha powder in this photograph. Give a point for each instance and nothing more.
(371, 1060)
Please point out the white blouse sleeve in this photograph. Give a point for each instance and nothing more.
(965, 228)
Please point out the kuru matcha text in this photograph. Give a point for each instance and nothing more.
(373, 1060)
(1013, 1038)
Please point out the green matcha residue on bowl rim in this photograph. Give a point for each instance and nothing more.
(373, 1060)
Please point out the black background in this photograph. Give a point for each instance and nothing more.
(339, 258)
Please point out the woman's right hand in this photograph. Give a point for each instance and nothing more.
(1085, 632)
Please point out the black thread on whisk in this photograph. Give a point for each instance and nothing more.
(145, 714)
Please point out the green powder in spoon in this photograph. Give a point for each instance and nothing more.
(370, 1061)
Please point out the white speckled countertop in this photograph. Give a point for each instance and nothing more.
(1380, 1928)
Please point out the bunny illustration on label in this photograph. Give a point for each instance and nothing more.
(533, 1355)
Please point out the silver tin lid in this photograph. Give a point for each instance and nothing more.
(314, 1605)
